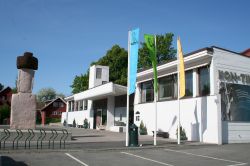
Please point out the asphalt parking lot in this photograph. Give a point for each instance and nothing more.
(205, 155)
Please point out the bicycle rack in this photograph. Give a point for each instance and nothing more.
(42, 137)
(5, 137)
(20, 136)
(30, 136)
(67, 134)
(54, 137)
(52, 132)
(16, 138)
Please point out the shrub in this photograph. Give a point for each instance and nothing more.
(182, 133)
(4, 112)
(64, 122)
(52, 120)
(74, 123)
(143, 129)
(85, 123)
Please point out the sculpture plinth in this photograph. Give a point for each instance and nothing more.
(23, 104)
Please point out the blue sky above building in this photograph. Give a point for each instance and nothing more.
(67, 35)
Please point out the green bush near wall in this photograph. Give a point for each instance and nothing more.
(52, 120)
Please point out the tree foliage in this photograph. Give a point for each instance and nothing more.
(164, 48)
(1, 86)
(117, 60)
(80, 83)
(45, 94)
(4, 112)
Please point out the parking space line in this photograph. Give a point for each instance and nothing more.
(144, 158)
(237, 163)
(79, 161)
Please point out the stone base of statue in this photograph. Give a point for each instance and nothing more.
(23, 111)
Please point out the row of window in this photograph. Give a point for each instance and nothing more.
(56, 113)
(58, 104)
(168, 87)
(78, 105)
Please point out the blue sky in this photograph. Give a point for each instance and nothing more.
(67, 35)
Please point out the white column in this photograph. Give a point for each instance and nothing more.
(110, 111)
(212, 78)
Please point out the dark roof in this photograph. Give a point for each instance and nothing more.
(59, 98)
(5, 90)
(246, 52)
(209, 49)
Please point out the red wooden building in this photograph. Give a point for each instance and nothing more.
(5, 96)
(53, 109)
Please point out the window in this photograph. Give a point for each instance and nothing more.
(61, 104)
(55, 104)
(147, 92)
(69, 106)
(85, 104)
(98, 73)
(204, 81)
(168, 87)
(189, 83)
(81, 105)
(104, 82)
(54, 113)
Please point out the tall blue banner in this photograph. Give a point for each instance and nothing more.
(133, 59)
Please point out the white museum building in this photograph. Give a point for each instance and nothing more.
(216, 108)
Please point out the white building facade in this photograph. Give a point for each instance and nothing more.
(216, 108)
(103, 105)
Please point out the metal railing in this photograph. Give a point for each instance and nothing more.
(20, 138)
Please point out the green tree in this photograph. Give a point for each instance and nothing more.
(1, 86)
(117, 60)
(80, 83)
(45, 94)
(4, 112)
(164, 47)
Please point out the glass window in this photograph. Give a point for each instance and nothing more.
(61, 104)
(147, 92)
(81, 105)
(189, 83)
(204, 81)
(85, 104)
(55, 104)
(168, 87)
(98, 73)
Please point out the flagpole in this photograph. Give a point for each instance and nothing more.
(128, 87)
(178, 70)
(155, 101)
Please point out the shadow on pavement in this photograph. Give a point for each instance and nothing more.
(8, 161)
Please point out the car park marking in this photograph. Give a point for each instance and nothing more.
(237, 163)
(144, 158)
(79, 161)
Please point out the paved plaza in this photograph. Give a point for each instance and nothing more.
(101, 148)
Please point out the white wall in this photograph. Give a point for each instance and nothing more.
(93, 81)
(198, 118)
(79, 117)
(231, 132)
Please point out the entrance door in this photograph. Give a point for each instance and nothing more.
(98, 117)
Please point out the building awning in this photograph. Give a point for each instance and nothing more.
(100, 92)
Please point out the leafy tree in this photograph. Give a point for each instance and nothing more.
(46, 94)
(80, 83)
(4, 112)
(117, 60)
(1, 86)
(164, 48)
(60, 95)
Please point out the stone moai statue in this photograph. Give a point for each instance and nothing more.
(23, 104)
